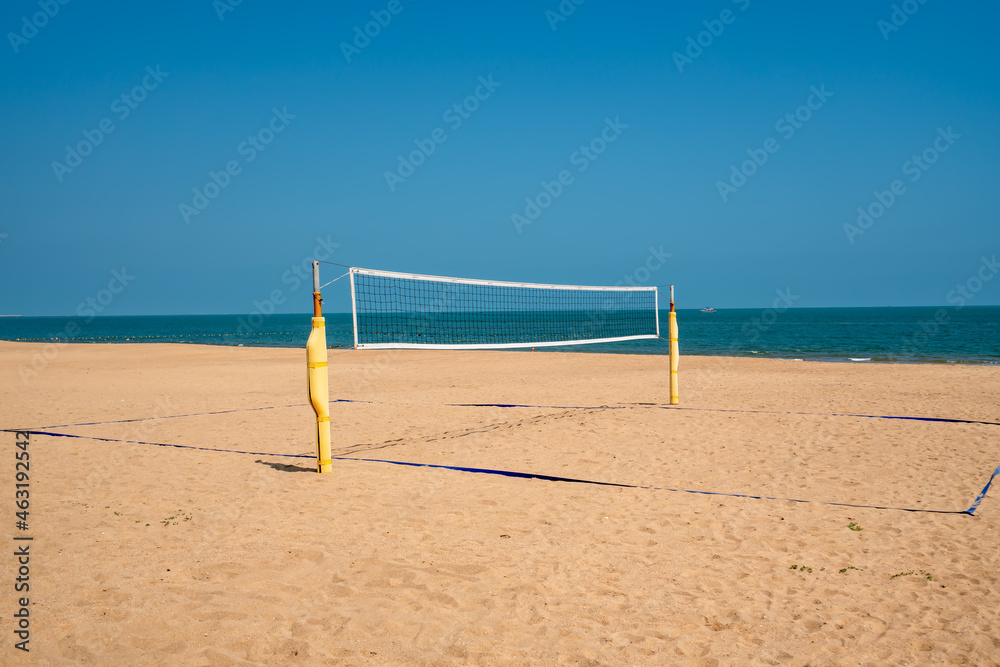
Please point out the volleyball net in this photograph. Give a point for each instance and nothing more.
(405, 310)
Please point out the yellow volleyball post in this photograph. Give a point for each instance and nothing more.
(674, 351)
(318, 380)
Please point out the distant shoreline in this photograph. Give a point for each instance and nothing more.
(548, 350)
(906, 335)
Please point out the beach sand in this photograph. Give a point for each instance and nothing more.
(160, 555)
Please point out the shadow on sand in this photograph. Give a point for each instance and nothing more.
(284, 467)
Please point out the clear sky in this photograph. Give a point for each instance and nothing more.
(207, 148)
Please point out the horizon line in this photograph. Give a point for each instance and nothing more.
(309, 314)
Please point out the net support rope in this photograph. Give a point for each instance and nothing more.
(334, 280)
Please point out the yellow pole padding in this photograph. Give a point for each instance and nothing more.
(319, 391)
(674, 351)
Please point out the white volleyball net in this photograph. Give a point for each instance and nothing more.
(404, 310)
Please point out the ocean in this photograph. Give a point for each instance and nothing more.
(968, 335)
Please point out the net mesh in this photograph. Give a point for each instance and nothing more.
(405, 311)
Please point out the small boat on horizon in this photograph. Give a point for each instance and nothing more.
(707, 310)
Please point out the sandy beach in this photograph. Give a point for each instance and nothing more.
(145, 554)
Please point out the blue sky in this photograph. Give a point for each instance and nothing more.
(743, 156)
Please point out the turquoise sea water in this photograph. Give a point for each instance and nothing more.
(936, 335)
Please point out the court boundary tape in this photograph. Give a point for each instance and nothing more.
(653, 406)
(194, 414)
(635, 406)
(526, 475)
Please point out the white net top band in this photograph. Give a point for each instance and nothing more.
(497, 283)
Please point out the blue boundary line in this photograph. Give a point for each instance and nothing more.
(640, 406)
(982, 494)
(526, 475)
(196, 414)
(157, 444)
(643, 406)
